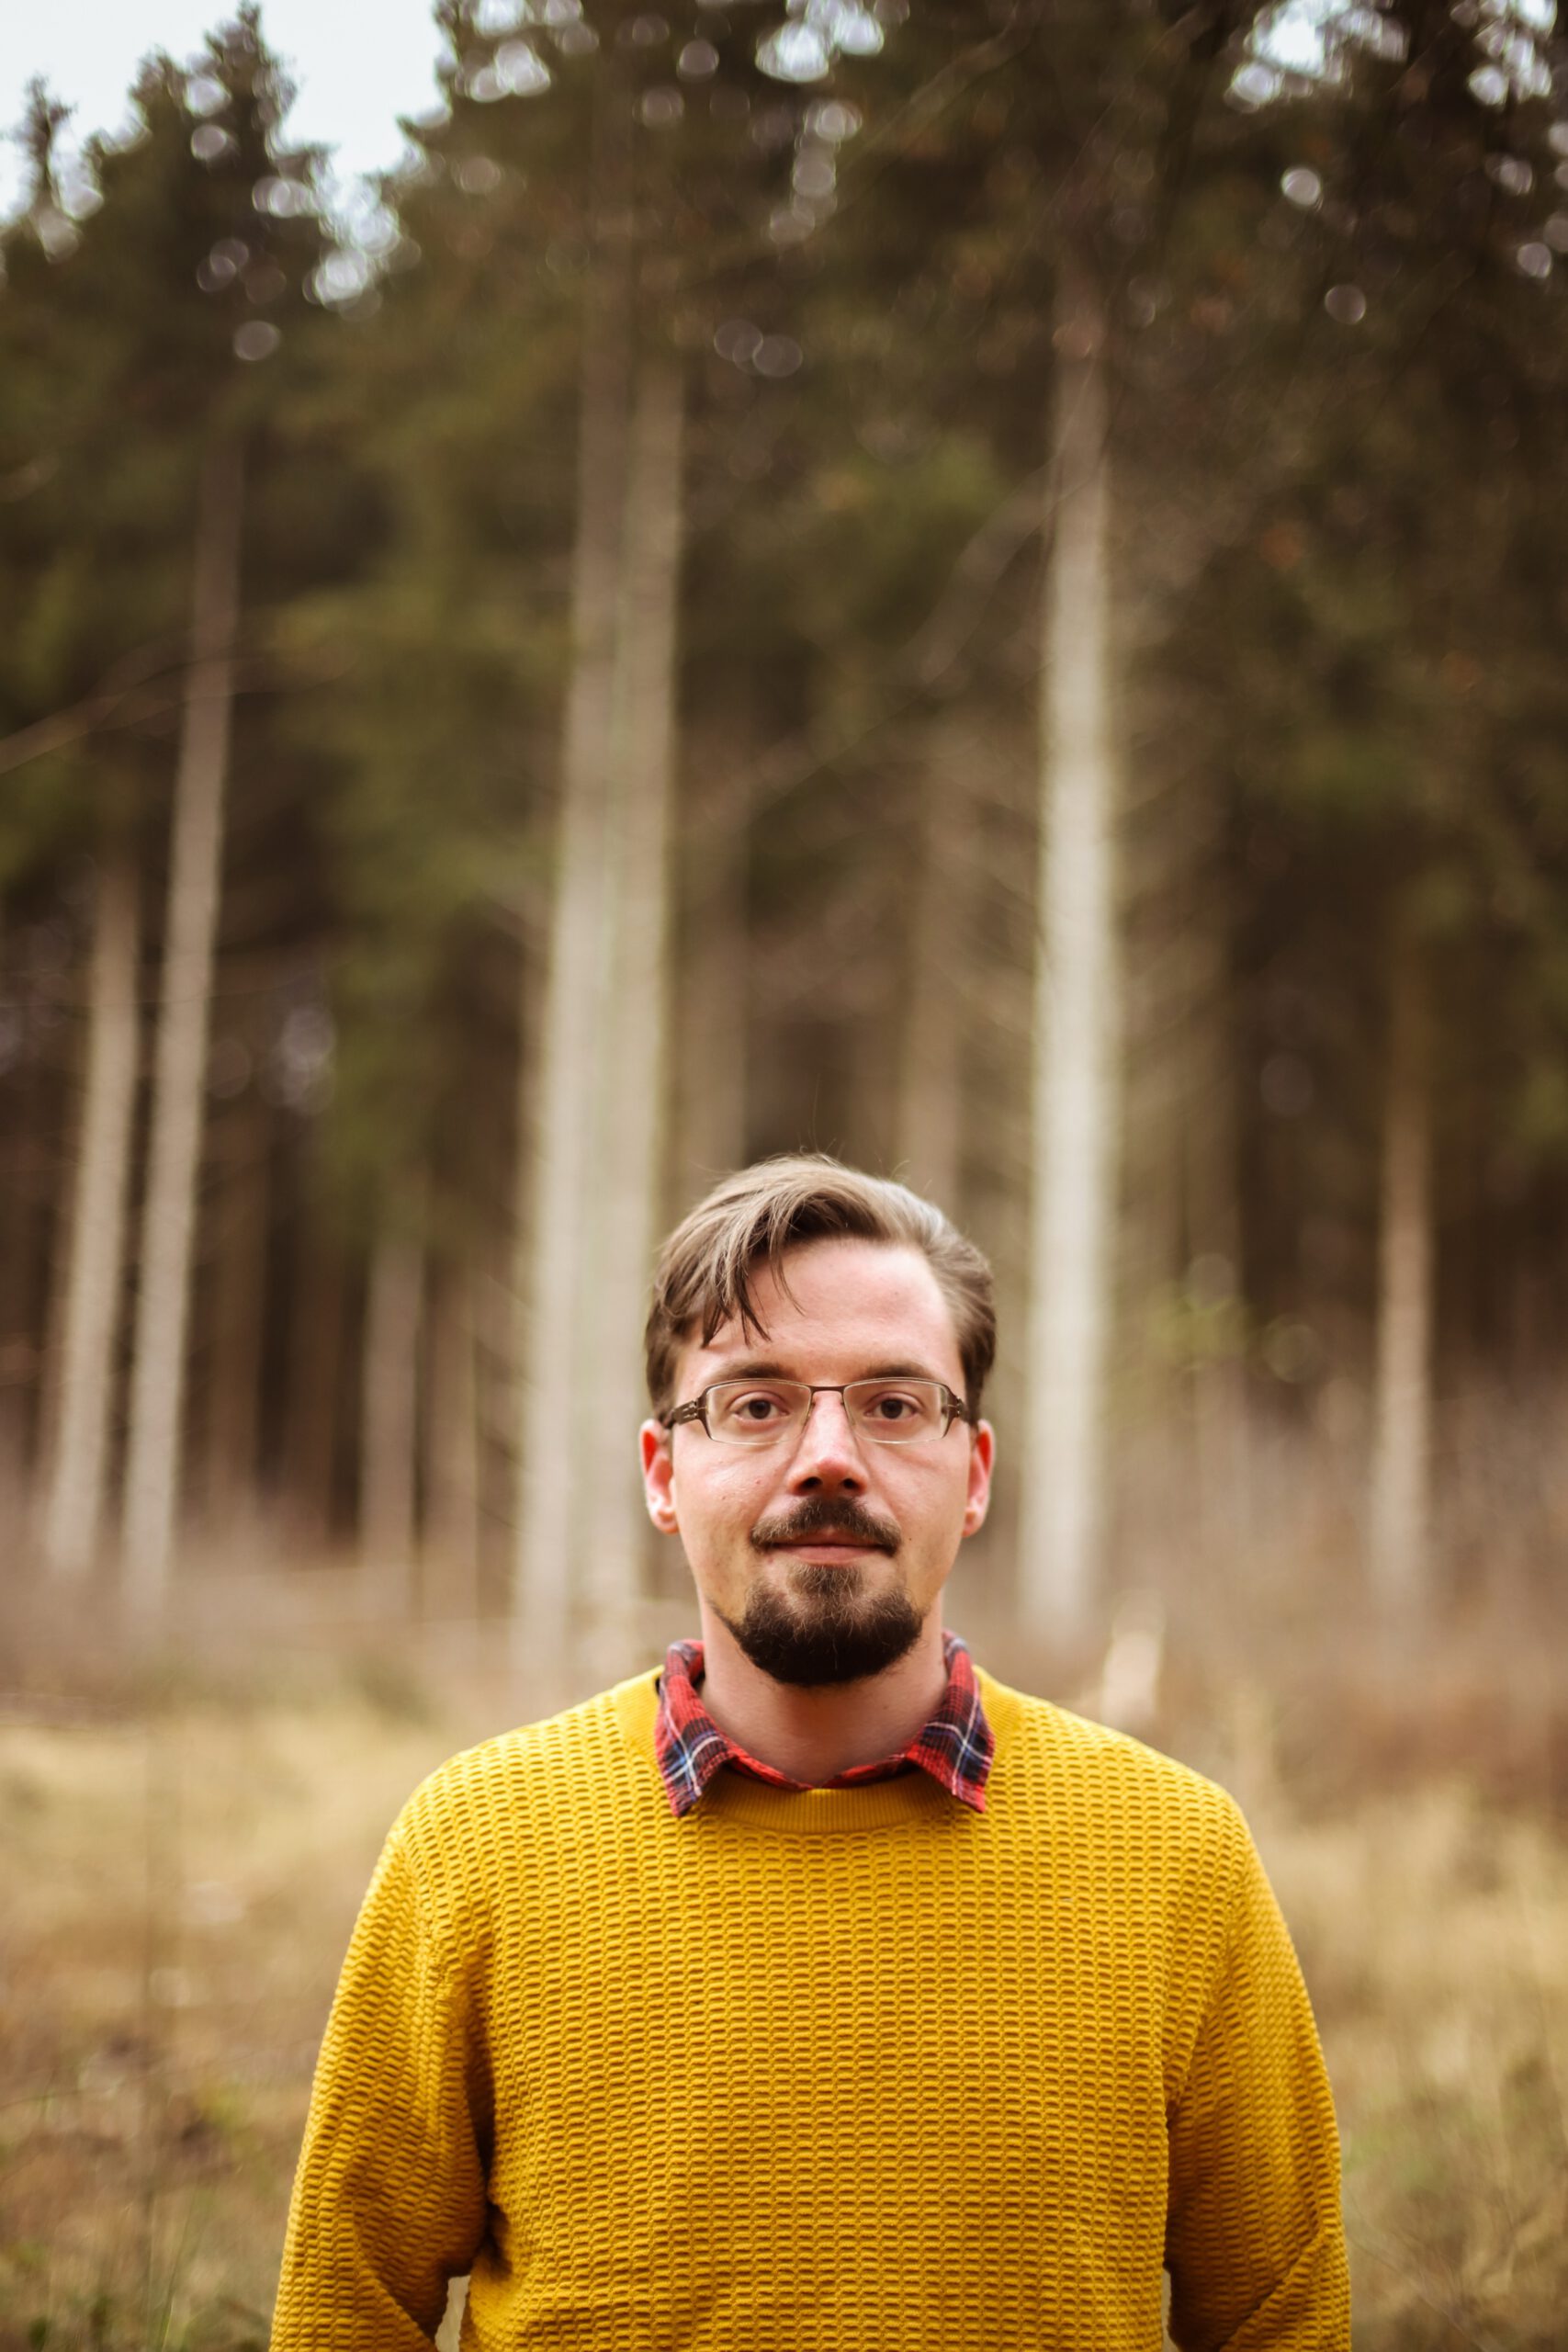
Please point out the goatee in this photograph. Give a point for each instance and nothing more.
(821, 1630)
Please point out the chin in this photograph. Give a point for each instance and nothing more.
(833, 1579)
(825, 1628)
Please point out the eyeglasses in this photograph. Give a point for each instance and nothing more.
(760, 1412)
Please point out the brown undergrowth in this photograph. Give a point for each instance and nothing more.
(183, 1858)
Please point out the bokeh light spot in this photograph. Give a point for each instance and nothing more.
(523, 71)
(257, 339)
(831, 119)
(794, 53)
(477, 175)
(1291, 1351)
(852, 31)
(285, 199)
(1511, 172)
(1254, 86)
(341, 277)
(739, 342)
(777, 355)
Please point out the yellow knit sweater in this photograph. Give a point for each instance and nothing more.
(850, 2070)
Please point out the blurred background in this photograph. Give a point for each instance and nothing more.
(977, 588)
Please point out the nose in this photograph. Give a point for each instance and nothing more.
(826, 1455)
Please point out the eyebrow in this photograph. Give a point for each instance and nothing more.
(767, 1368)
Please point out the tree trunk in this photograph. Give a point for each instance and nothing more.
(496, 1333)
(78, 1473)
(710, 1083)
(1203, 1054)
(27, 1151)
(1075, 1007)
(629, 1158)
(930, 1105)
(313, 1407)
(452, 1517)
(239, 1311)
(388, 1423)
(168, 1221)
(559, 1176)
(1399, 1508)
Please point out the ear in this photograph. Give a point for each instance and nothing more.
(659, 1476)
(982, 1461)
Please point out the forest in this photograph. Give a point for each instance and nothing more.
(978, 592)
(977, 588)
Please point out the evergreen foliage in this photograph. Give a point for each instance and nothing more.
(1335, 347)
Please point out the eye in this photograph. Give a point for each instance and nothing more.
(754, 1408)
(895, 1406)
(897, 1411)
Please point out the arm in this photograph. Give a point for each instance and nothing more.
(390, 2197)
(1255, 2241)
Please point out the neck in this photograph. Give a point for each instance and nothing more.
(813, 1736)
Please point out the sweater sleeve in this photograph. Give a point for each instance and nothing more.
(389, 2199)
(1255, 2240)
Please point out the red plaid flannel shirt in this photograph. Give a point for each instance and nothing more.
(954, 1744)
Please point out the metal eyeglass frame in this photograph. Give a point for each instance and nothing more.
(953, 1408)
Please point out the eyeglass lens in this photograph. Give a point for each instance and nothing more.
(891, 1412)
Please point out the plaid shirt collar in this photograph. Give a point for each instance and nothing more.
(956, 1745)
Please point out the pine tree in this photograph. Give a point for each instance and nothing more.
(1371, 738)
(145, 308)
(214, 179)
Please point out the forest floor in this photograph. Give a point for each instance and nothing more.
(183, 1853)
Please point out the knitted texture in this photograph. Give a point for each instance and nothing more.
(854, 2070)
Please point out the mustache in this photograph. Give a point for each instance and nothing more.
(827, 1515)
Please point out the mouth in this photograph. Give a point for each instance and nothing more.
(829, 1551)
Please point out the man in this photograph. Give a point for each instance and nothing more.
(818, 1993)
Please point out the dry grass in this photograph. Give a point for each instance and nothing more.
(182, 1867)
(1435, 1936)
(181, 1880)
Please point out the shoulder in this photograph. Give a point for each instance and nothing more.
(491, 1806)
(1082, 1775)
(528, 1766)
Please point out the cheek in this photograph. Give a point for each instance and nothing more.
(720, 1495)
(931, 1512)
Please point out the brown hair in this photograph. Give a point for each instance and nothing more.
(751, 1219)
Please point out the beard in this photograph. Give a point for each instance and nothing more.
(824, 1628)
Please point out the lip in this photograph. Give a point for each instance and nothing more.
(828, 1550)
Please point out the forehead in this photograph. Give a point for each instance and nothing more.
(859, 1303)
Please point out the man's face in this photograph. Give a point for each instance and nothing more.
(825, 1552)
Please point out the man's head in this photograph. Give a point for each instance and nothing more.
(820, 1545)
